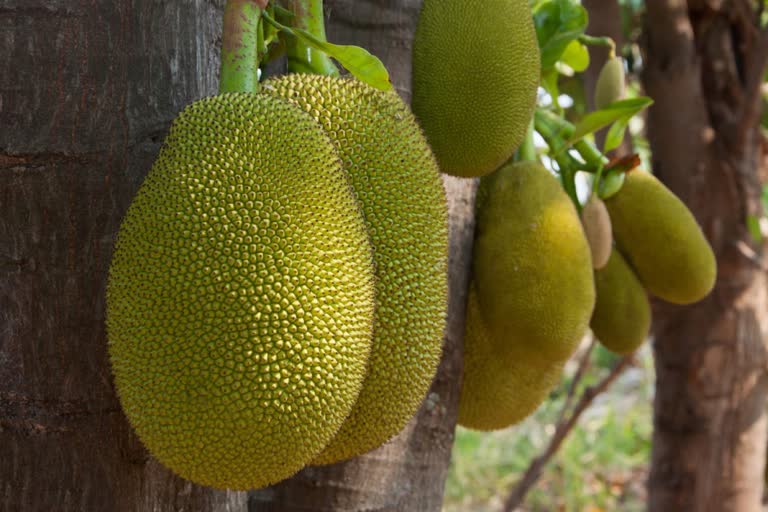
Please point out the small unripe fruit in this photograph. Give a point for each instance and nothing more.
(597, 228)
(610, 83)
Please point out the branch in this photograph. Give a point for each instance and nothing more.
(578, 376)
(562, 430)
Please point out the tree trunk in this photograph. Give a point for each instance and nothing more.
(704, 66)
(86, 94)
(409, 472)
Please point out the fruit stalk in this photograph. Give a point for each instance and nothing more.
(240, 46)
(527, 151)
(558, 130)
(308, 16)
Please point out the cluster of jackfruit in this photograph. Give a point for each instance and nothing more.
(542, 275)
(278, 290)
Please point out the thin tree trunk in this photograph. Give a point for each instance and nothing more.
(87, 90)
(704, 65)
(409, 472)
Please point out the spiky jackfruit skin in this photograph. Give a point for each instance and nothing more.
(610, 83)
(622, 317)
(240, 297)
(475, 76)
(661, 240)
(399, 187)
(597, 228)
(502, 384)
(532, 262)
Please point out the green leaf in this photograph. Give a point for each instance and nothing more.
(615, 134)
(622, 110)
(610, 183)
(576, 56)
(358, 61)
(558, 22)
(549, 82)
(753, 225)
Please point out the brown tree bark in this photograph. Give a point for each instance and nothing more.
(408, 473)
(87, 91)
(704, 65)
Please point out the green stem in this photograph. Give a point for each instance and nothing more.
(308, 16)
(560, 131)
(240, 47)
(527, 151)
(599, 41)
(553, 136)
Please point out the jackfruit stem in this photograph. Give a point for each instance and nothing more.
(527, 151)
(599, 41)
(242, 37)
(556, 129)
(308, 16)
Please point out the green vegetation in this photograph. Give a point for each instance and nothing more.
(602, 465)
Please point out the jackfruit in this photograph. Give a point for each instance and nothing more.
(475, 75)
(597, 228)
(622, 317)
(240, 297)
(531, 262)
(502, 383)
(661, 240)
(610, 83)
(399, 187)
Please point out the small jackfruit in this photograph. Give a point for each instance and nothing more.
(610, 83)
(475, 76)
(597, 228)
(397, 181)
(502, 384)
(661, 240)
(240, 297)
(531, 261)
(622, 317)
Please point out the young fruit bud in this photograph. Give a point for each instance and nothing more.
(610, 83)
(597, 228)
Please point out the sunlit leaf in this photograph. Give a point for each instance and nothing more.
(358, 61)
(558, 22)
(576, 56)
(622, 110)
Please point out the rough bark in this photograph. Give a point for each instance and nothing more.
(704, 65)
(409, 472)
(86, 94)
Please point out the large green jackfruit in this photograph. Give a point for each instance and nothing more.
(532, 262)
(475, 76)
(502, 384)
(661, 240)
(399, 187)
(240, 298)
(622, 316)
